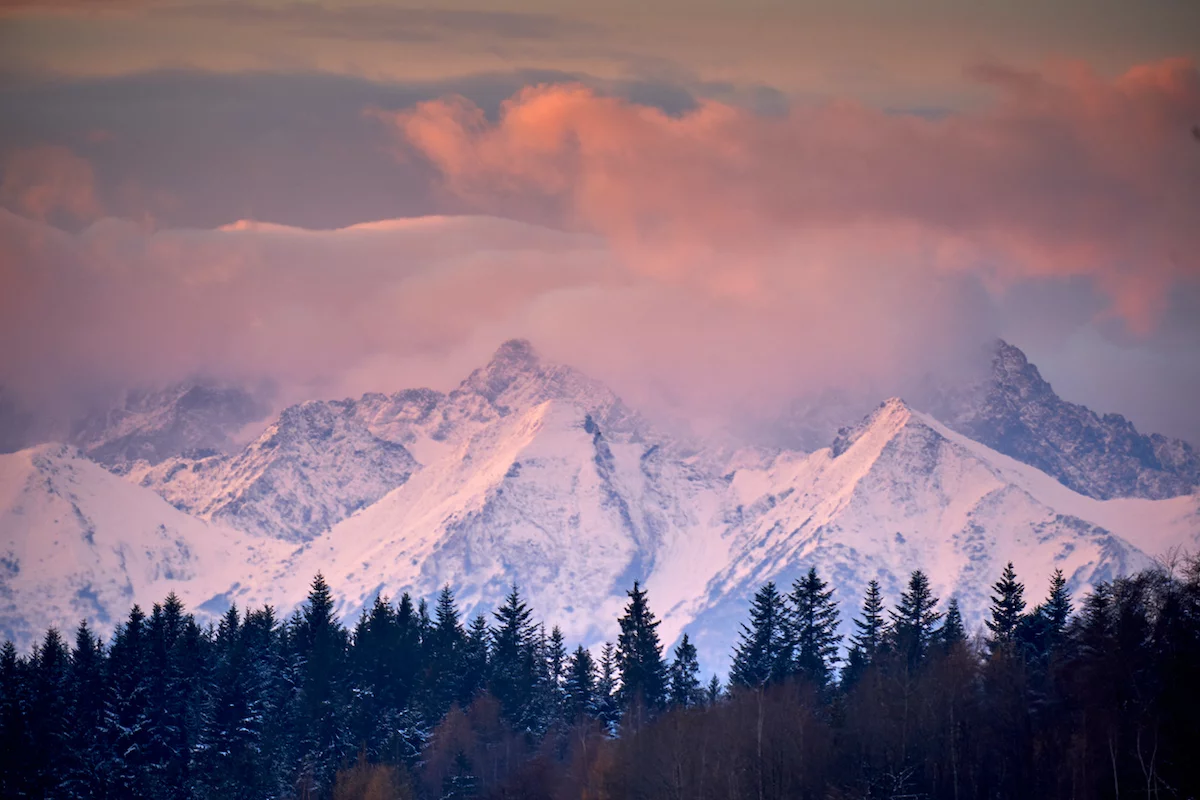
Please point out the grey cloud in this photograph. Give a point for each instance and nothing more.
(200, 149)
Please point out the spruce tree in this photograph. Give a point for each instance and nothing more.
(48, 716)
(764, 653)
(221, 755)
(639, 656)
(271, 717)
(913, 621)
(868, 639)
(127, 711)
(685, 691)
(713, 691)
(176, 674)
(580, 688)
(1057, 609)
(953, 632)
(814, 622)
(409, 663)
(475, 660)
(444, 658)
(372, 665)
(556, 671)
(1008, 607)
(86, 696)
(608, 709)
(14, 734)
(513, 669)
(320, 645)
(235, 751)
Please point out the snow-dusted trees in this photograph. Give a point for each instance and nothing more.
(318, 647)
(1059, 706)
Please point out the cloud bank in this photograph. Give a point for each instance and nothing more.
(709, 264)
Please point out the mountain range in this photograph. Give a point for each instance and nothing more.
(531, 472)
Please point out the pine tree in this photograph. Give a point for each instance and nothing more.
(640, 658)
(580, 685)
(686, 691)
(953, 632)
(868, 639)
(914, 620)
(814, 623)
(764, 653)
(1008, 607)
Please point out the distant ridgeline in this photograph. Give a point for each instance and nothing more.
(1099, 701)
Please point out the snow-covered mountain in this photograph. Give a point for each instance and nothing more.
(78, 542)
(1015, 411)
(532, 472)
(1004, 402)
(900, 491)
(154, 426)
(314, 466)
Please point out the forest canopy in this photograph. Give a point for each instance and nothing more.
(1062, 697)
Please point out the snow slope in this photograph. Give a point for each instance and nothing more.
(78, 542)
(544, 498)
(901, 492)
(313, 467)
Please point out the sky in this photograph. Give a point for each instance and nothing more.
(716, 207)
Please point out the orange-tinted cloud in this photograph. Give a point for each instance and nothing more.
(1066, 173)
(40, 181)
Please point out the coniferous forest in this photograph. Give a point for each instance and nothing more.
(1059, 697)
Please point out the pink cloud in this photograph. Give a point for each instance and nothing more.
(1065, 173)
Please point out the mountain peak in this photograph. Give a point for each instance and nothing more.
(1016, 412)
(512, 360)
(888, 417)
(516, 352)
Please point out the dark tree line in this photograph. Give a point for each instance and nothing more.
(1048, 702)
